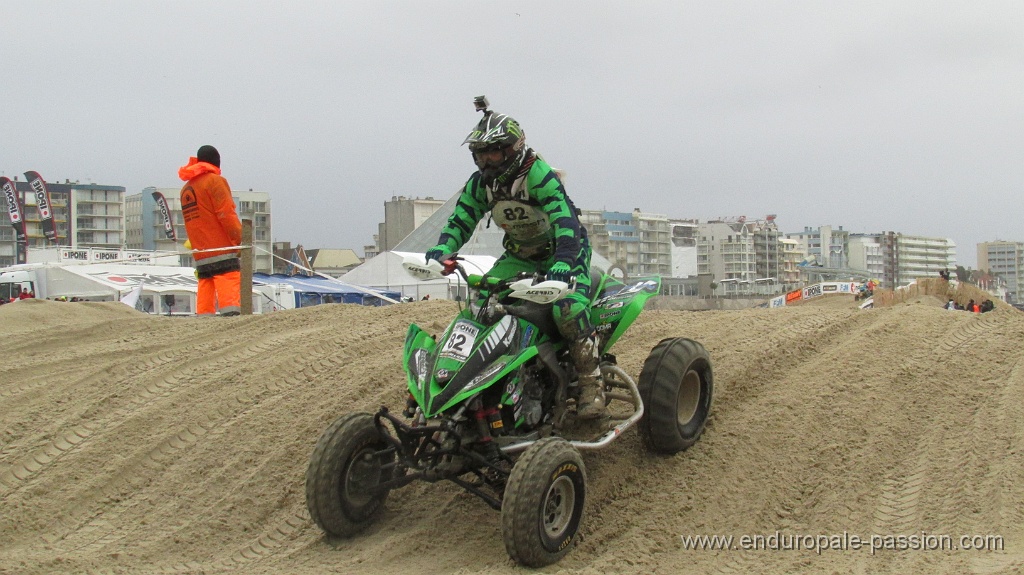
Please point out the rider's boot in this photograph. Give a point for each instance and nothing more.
(586, 357)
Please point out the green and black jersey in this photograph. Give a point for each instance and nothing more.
(536, 214)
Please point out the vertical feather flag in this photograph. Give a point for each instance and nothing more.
(15, 210)
(161, 202)
(44, 205)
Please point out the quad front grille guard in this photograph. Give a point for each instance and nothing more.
(420, 452)
(421, 455)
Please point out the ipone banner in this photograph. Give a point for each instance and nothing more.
(44, 205)
(165, 212)
(14, 208)
(17, 213)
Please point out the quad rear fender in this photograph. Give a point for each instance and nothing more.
(618, 305)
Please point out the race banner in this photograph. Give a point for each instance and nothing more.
(161, 202)
(794, 295)
(15, 210)
(44, 205)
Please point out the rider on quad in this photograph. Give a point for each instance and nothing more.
(543, 234)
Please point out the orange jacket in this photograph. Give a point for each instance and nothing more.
(209, 211)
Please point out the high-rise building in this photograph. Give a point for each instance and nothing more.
(825, 246)
(86, 215)
(1006, 260)
(866, 254)
(725, 252)
(792, 255)
(768, 250)
(402, 215)
(683, 236)
(747, 257)
(255, 206)
(637, 242)
(906, 258)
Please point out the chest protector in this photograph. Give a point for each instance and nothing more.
(520, 216)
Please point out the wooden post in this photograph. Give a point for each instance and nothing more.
(247, 259)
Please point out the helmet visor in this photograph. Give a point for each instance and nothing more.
(491, 157)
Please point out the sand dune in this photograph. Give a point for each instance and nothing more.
(137, 444)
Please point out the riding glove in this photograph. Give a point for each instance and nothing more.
(436, 253)
(559, 272)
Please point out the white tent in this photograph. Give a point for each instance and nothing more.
(122, 278)
(386, 272)
(165, 289)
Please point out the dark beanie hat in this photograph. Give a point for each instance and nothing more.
(209, 154)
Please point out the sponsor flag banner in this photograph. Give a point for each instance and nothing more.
(14, 208)
(161, 202)
(16, 212)
(44, 205)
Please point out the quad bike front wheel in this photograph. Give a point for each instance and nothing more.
(676, 386)
(543, 503)
(344, 470)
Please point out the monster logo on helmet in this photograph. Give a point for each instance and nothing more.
(498, 144)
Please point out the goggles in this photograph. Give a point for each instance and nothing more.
(489, 157)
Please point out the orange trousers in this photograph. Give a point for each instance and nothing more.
(222, 291)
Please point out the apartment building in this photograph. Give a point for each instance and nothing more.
(866, 254)
(725, 253)
(792, 255)
(825, 246)
(1006, 260)
(639, 243)
(906, 257)
(402, 215)
(768, 250)
(748, 257)
(86, 215)
(683, 236)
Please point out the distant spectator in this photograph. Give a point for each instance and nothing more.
(969, 306)
(944, 274)
(951, 304)
(426, 297)
(25, 294)
(211, 222)
(987, 305)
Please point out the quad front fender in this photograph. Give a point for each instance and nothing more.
(419, 354)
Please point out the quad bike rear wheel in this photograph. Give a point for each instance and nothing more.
(345, 467)
(543, 503)
(676, 386)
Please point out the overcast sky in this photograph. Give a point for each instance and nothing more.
(876, 116)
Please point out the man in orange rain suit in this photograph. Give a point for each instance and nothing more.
(211, 222)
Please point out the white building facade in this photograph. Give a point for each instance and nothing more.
(1004, 259)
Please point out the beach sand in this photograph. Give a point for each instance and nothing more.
(134, 444)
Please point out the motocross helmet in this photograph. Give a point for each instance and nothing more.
(497, 143)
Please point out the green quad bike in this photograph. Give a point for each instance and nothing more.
(491, 409)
